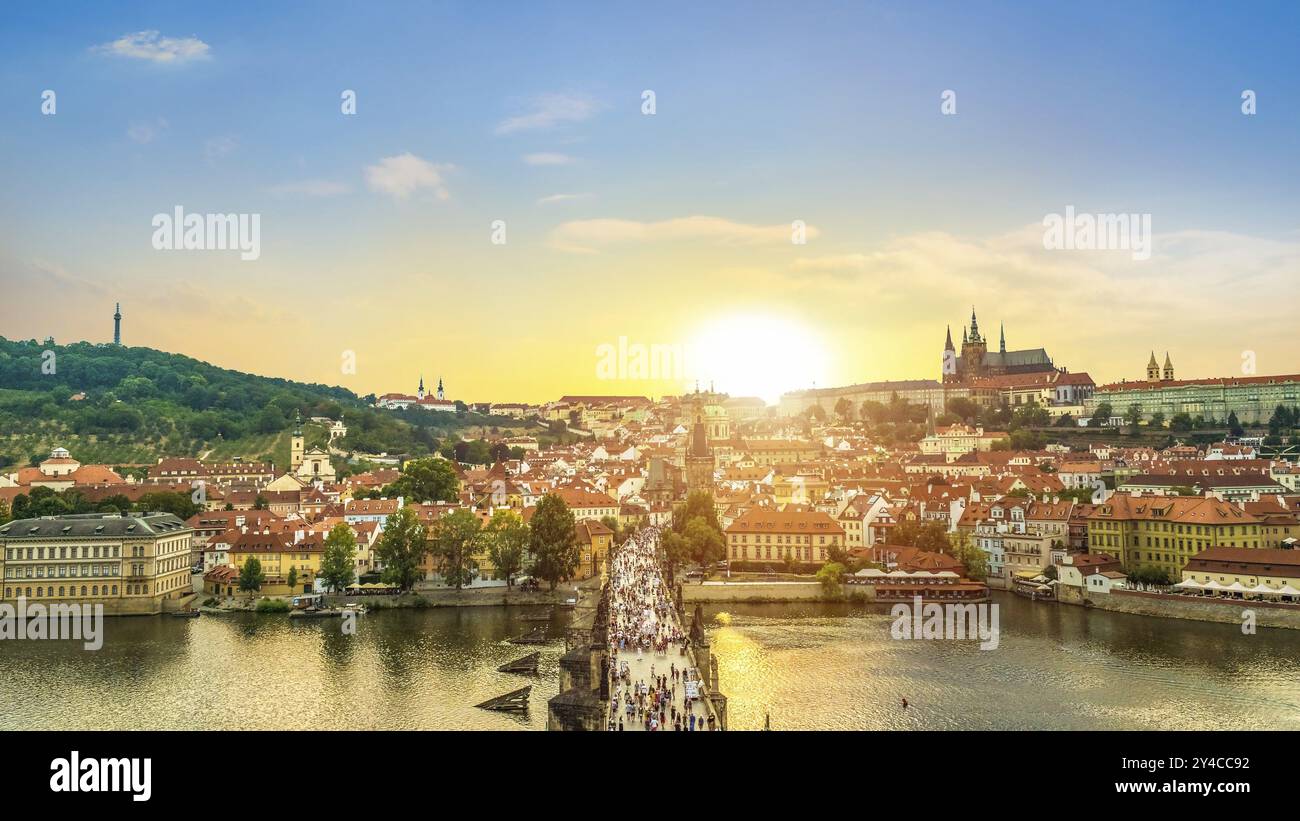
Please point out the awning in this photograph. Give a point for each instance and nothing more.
(1189, 584)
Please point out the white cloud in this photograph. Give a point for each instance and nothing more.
(549, 110)
(152, 46)
(554, 198)
(309, 188)
(402, 175)
(545, 158)
(218, 147)
(587, 236)
(144, 133)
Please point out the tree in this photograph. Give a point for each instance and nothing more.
(553, 541)
(698, 504)
(1101, 415)
(1133, 416)
(453, 541)
(292, 579)
(506, 536)
(844, 409)
(963, 407)
(703, 543)
(339, 562)
(402, 547)
(1180, 422)
(426, 480)
(817, 414)
(251, 577)
(830, 575)
(974, 559)
(924, 535)
(675, 549)
(1234, 426)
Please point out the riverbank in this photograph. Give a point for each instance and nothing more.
(1187, 608)
(435, 597)
(756, 592)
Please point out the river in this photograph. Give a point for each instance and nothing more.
(811, 666)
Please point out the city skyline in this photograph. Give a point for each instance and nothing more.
(672, 228)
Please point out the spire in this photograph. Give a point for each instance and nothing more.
(1002, 344)
(1151, 363)
(963, 337)
(947, 345)
(117, 324)
(297, 423)
(974, 326)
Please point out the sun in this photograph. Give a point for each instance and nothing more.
(758, 355)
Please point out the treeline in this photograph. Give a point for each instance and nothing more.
(152, 396)
(44, 501)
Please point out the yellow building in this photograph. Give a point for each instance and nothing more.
(134, 564)
(594, 541)
(1225, 567)
(764, 534)
(279, 556)
(1165, 532)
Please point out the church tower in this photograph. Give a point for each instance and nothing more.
(973, 349)
(699, 456)
(949, 369)
(419, 393)
(296, 449)
(1002, 341)
(1153, 369)
(1169, 368)
(441, 395)
(117, 324)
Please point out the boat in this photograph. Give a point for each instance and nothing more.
(524, 666)
(186, 614)
(515, 701)
(537, 636)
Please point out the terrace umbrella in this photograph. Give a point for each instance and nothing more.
(1288, 590)
(1189, 584)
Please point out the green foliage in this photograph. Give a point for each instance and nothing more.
(506, 536)
(830, 575)
(924, 535)
(292, 579)
(553, 541)
(704, 542)
(339, 561)
(251, 577)
(272, 606)
(425, 480)
(402, 547)
(453, 540)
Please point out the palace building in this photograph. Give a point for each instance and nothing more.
(976, 360)
(136, 564)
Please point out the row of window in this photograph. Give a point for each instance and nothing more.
(65, 570)
(798, 553)
(65, 591)
(781, 539)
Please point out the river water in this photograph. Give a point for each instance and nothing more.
(810, 666)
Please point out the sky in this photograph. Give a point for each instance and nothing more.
(674, 229)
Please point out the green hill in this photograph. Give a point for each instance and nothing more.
(141, 404)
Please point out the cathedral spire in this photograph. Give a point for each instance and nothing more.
(1002, 343)
(974, 326)
(947, 345)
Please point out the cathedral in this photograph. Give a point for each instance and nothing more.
(976, 360)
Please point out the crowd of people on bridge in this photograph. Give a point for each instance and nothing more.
(643, 626)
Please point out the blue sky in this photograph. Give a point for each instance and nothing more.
(766, 112)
